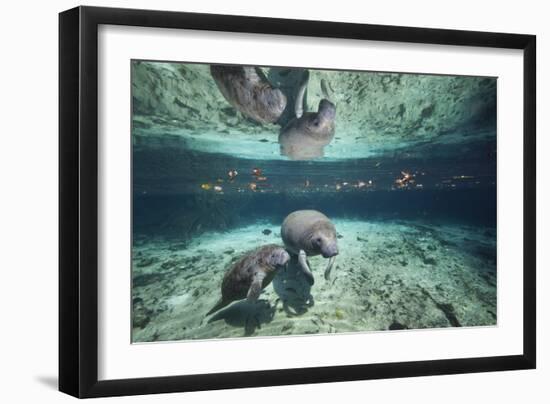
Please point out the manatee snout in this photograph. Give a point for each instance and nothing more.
(325, 244)
(330, 250)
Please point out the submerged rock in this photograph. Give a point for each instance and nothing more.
(141, 315)
(287, 327)
(177, 247)
(145, 262)
(267, 232)
(169, 264)
(141, 319)
(147, 279)
(397, 326)
(194, 259)
(447, 309)
(429, 261)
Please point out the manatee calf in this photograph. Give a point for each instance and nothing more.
(309, 233)
(248, 90)
(250, 274)
(305, 137)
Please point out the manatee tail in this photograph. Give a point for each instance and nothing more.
(221, 304)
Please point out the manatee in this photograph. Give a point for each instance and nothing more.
(307, 233)
(305, 137)
(247, 277)
(248, 90)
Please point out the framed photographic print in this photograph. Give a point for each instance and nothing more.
(251, 201)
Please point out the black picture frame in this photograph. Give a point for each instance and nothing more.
(78, 201)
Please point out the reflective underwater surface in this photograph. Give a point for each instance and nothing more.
(408, 179)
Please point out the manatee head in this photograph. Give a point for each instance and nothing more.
(278, 257)
(322, 240)
(304, 138)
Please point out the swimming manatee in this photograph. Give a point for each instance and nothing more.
(307, 233)
(247, 277)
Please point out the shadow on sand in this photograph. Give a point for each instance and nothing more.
(293, 289)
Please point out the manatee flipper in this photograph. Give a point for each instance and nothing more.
(220, 305)
(325, 89)
(256, 286)
(329, 267)
(302, 260)
(299, 103)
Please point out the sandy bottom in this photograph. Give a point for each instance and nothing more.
(389, 275)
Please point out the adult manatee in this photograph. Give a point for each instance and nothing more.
(307, 233)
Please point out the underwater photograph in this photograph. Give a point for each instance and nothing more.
(272, 201)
